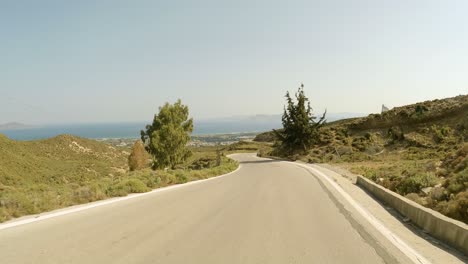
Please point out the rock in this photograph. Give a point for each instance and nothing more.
(426, 190)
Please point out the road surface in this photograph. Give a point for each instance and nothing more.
(266, 212)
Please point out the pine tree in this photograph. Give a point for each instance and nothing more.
(167, 137)
(300, 128)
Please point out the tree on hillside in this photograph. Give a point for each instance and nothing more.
(138, 159)
(167, 137)
(300, 128)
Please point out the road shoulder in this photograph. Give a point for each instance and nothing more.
(432, 249)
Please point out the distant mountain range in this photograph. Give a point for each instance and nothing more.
(253, 123)
(276, 119)
(14, 126)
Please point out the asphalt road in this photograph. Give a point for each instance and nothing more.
(266, 212)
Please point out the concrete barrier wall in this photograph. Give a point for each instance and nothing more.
(452, 232)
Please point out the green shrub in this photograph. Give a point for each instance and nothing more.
(157, 181)
(203, 163)
(263, 152)
(181, 177)
(4, 214)
(197, 175)
(420, 109)
(313, 160)
(149, 177)
(414, 184)
(135, 186)
(441, 134)
(88, 193)
(170, 179)
(457, 183)
(455, 187)
(127, 186)
(16, 204)
(438, 194)
(456, 208)
(83, 194)
(116, 190)
(395, 134)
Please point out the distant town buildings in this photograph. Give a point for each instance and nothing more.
(197, 140)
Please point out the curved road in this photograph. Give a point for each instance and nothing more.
(266, 212)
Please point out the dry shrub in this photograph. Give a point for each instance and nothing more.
(138, 159)
(456, 208)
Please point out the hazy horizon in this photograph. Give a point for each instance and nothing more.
(219, 119)
(118, 61)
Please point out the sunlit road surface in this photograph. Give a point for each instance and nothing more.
(265, 212)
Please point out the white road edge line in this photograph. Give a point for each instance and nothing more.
(65, 211)
(392, 237)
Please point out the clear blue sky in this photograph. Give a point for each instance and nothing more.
(107, 61)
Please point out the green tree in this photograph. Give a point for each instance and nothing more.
(300, 128)
(138, 159)
(167, 137)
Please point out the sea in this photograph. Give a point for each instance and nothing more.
(132, 130)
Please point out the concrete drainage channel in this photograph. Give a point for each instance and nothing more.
(450, 231)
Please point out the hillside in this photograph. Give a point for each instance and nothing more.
(25, 161)
(417, 150)
(38, 176)
(41, 175)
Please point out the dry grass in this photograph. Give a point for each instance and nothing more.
(38, 176)
(416, 150)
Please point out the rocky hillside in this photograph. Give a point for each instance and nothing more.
(417, 150)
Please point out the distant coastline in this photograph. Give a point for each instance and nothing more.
(126, 130)
(131, 130)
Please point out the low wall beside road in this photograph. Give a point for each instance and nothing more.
(450, 231)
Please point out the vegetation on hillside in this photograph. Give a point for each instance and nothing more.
(41, 175)
(268, 137)
(419, 151)
(38, 176)
(262, 149)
